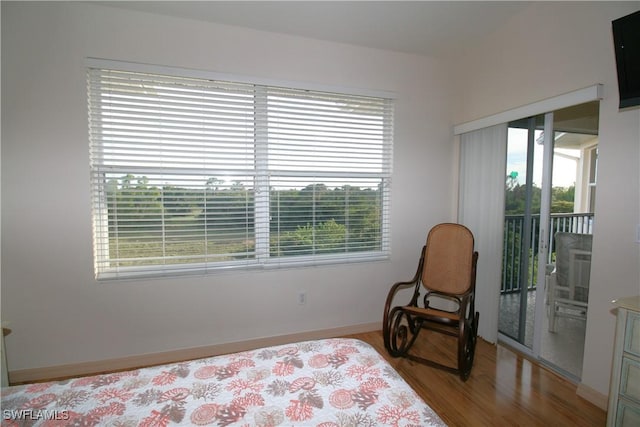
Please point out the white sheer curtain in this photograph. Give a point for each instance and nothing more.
(481, 208)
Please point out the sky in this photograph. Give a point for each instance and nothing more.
(564, 169)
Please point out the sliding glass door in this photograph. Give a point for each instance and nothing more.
(549, 193)
(550, 187)
(573, 178)
(523, 194)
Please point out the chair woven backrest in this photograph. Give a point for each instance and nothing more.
(448, 259)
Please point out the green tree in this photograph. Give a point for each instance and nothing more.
(326, 237)
(562, 199)
(133, 199)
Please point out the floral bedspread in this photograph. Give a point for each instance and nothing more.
(324, 383)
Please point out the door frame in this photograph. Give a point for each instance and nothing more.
(543, 244)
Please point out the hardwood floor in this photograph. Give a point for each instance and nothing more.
(504, 389)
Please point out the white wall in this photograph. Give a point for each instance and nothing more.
(549, 49)
(58, 313)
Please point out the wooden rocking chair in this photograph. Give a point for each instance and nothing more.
(447, 273)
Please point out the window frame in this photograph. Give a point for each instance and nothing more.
(261, 174)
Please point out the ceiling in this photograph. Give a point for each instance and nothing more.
(431, 28)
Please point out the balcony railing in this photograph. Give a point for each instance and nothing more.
(513, 236)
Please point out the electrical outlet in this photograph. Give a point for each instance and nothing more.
(302, 297)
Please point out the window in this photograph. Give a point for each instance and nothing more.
(191, 174)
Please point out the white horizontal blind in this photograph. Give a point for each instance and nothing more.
(329, 166)
(192, 174)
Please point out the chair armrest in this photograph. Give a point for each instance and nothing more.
(396, 286)
(550, 268)
(394, 289)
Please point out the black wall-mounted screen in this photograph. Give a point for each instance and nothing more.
(626, 39)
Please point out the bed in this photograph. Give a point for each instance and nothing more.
(323, 383)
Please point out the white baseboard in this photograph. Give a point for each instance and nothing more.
(137, 361)
(593, 396)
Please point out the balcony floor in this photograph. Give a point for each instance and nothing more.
(563, 349)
